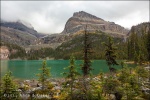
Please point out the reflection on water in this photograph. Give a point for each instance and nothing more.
(27, 69)
(3, 67)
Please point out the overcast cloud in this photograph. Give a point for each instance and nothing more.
(51, 16)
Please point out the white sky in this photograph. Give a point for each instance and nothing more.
(51, 16)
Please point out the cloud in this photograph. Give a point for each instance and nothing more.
(51, 16)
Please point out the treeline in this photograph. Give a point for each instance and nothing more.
(138, 43)
(75, 46)
(40, 54)
(15, 50)
(135, 46)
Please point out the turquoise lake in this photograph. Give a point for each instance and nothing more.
(27, 69)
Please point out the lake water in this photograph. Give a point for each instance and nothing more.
(27, 69)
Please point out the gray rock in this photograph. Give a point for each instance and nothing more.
(79, 19)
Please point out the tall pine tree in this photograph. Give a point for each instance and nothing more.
(110, 54)
(148, 45)
(86, 68)
(72, 74)
(44, 75)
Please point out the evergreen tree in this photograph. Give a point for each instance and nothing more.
(142, 46)
(141, 73)
(138, 44)
(140, 58)
(110, 54)
(133, 45)
(110, 85)
(87, 52)
(72, 74)
(135, 57)
(8, 88)
(44, 75)
(86, 68)
(128, 49)
(148, 45)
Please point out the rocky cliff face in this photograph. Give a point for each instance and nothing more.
(19, 33)
(140, 29)
(18, 37)
(81, 19)
(4, 53)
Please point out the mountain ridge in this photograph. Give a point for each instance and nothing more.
(20, 25)
(19, 33)
(80, 19)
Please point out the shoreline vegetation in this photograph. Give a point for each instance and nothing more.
(57, 86)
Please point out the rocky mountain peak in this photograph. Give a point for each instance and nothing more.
(80, 19)
(83, 14)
